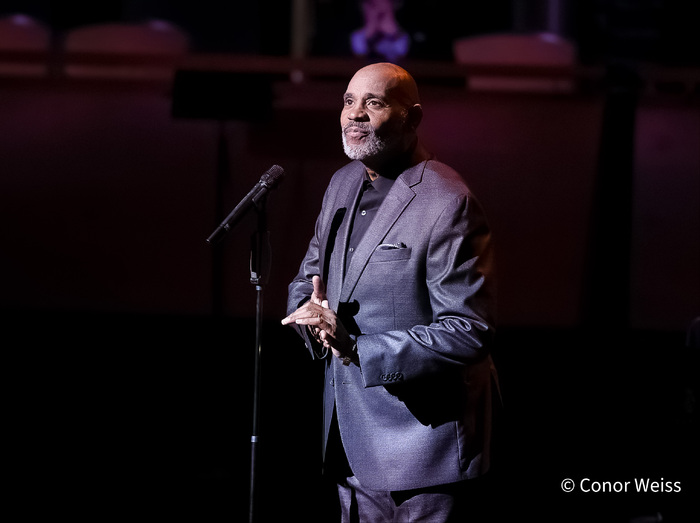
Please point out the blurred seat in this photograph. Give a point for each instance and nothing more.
(140, 51)
(25, 46)
(539, 62)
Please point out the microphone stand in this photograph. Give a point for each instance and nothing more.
(259, 269)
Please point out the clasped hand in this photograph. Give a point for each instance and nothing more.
(323, 323)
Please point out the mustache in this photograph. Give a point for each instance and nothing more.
(364, 126)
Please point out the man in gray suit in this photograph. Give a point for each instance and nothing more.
(396, 292)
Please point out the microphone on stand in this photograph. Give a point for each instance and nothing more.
(268, 181)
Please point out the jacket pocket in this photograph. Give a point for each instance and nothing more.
(387, 254)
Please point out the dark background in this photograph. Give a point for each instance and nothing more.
(658, 30)
(130, 358)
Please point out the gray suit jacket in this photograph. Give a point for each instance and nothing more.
(419, 296)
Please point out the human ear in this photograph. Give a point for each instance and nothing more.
(415, 115)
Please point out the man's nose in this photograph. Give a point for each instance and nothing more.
(358, 113)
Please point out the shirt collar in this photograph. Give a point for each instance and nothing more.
(382, 185)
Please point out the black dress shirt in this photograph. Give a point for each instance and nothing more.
(371, 198)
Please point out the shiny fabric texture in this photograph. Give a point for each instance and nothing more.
(448, 504)
(419, 296)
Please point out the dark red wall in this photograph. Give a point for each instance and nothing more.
(106, 198)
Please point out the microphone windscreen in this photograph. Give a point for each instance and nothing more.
(272, 176)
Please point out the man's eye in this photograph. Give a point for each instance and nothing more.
(347, 101)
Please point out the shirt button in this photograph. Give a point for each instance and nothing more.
(363, 213)
(351, 249)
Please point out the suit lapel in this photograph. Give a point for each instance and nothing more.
(335, 244)
(395, 202)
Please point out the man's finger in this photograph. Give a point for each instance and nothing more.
(308, 309)
(299, 314)
(304, 316)
(319, 288)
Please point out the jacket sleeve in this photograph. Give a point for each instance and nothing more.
(301, 287)
(460, 291)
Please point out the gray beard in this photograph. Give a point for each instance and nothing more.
(372, 146)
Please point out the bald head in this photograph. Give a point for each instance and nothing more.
(394, 80)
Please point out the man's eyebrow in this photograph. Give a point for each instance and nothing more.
(377, 96)
(367, 96)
